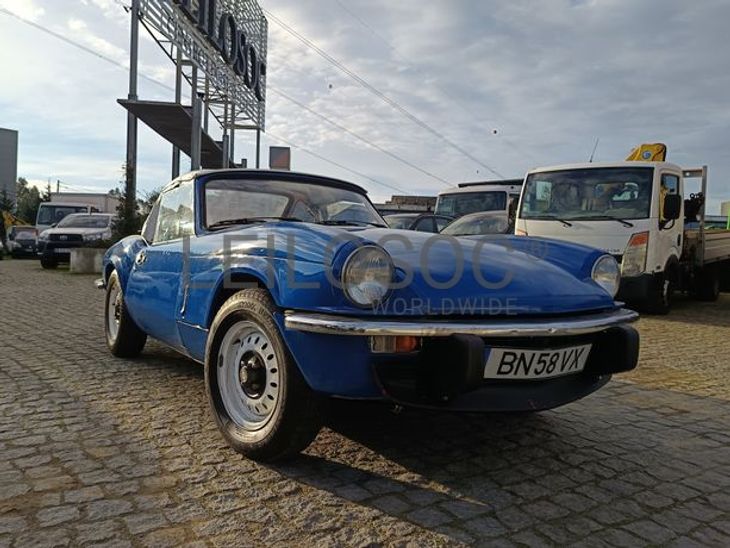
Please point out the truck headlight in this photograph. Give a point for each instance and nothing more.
(634, 261)
(367, 275)
(606, 274)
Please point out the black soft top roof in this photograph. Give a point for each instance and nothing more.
(264, 174)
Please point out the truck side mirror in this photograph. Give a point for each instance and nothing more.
(672, 207)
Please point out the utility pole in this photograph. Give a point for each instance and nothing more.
(131, 163)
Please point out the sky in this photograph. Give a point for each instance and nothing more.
(504, 87)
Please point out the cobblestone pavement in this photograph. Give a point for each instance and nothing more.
(100, 451)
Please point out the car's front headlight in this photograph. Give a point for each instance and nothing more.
(606, 274)
(43, 237)
(93, 237)
(367, 276)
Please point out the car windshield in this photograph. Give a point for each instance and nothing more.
(49, 214)
(402, 222)
(598, 193)
(464, 203)
(85, 221)
(472, 225)
(230, 200)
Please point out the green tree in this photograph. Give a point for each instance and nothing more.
(28, 200)
(6, 204)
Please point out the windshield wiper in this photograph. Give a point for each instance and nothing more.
(551, 217)
(251, 220)
(332, 222)
(608, 218)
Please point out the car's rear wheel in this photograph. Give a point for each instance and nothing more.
(259, 399)
(707, 285)
(123, 337)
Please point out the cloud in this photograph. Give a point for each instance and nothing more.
(81, 33)
(549, 76)
(27, 9)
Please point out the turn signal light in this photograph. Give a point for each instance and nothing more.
(394, 345)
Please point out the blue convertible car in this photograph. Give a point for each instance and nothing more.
(290, 289)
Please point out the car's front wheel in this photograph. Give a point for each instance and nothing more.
(48, 264)
(259, 399)
(123, 337)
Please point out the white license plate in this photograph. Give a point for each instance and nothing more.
(522, 364)
(62, 250)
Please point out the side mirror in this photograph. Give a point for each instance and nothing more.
(672, 207)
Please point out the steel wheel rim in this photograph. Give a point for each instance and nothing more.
(248, 376)
(114, 311)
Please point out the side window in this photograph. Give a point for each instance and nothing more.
(671, 183)
(175, 216)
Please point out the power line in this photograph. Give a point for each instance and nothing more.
(78, 45)
(403, 59)
(169, 88)
(319, 156)
(356, 135)
(375, 91)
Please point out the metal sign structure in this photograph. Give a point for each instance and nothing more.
(219, 48)
(226, 41)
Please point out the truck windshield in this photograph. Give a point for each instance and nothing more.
(50, 214)
(597, 193)
(464, 203)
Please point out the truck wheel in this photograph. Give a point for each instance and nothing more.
(259, 399)
(660, 300)
(49, 264)
(123, 337)
(707, 285)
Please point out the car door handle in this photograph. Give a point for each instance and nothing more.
(141, 258)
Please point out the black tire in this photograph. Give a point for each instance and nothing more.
(295, 418)
(660, 300)
(706, 286)
(129, 340)
(48, 264)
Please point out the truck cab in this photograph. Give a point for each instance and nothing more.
(468, 198)
(632, 210)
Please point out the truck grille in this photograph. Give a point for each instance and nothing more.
(66, 238)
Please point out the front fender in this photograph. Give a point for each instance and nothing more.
(121, 256)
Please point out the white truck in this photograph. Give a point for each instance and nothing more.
(469, 198)
(637, 212)
(66, 203)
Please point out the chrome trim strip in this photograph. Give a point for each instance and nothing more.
(496, 327)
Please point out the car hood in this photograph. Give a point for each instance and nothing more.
(70, 230)
(500, 275)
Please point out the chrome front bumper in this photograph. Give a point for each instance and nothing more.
(492, 327)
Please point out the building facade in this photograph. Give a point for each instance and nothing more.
(8, 162)
(725, 209)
